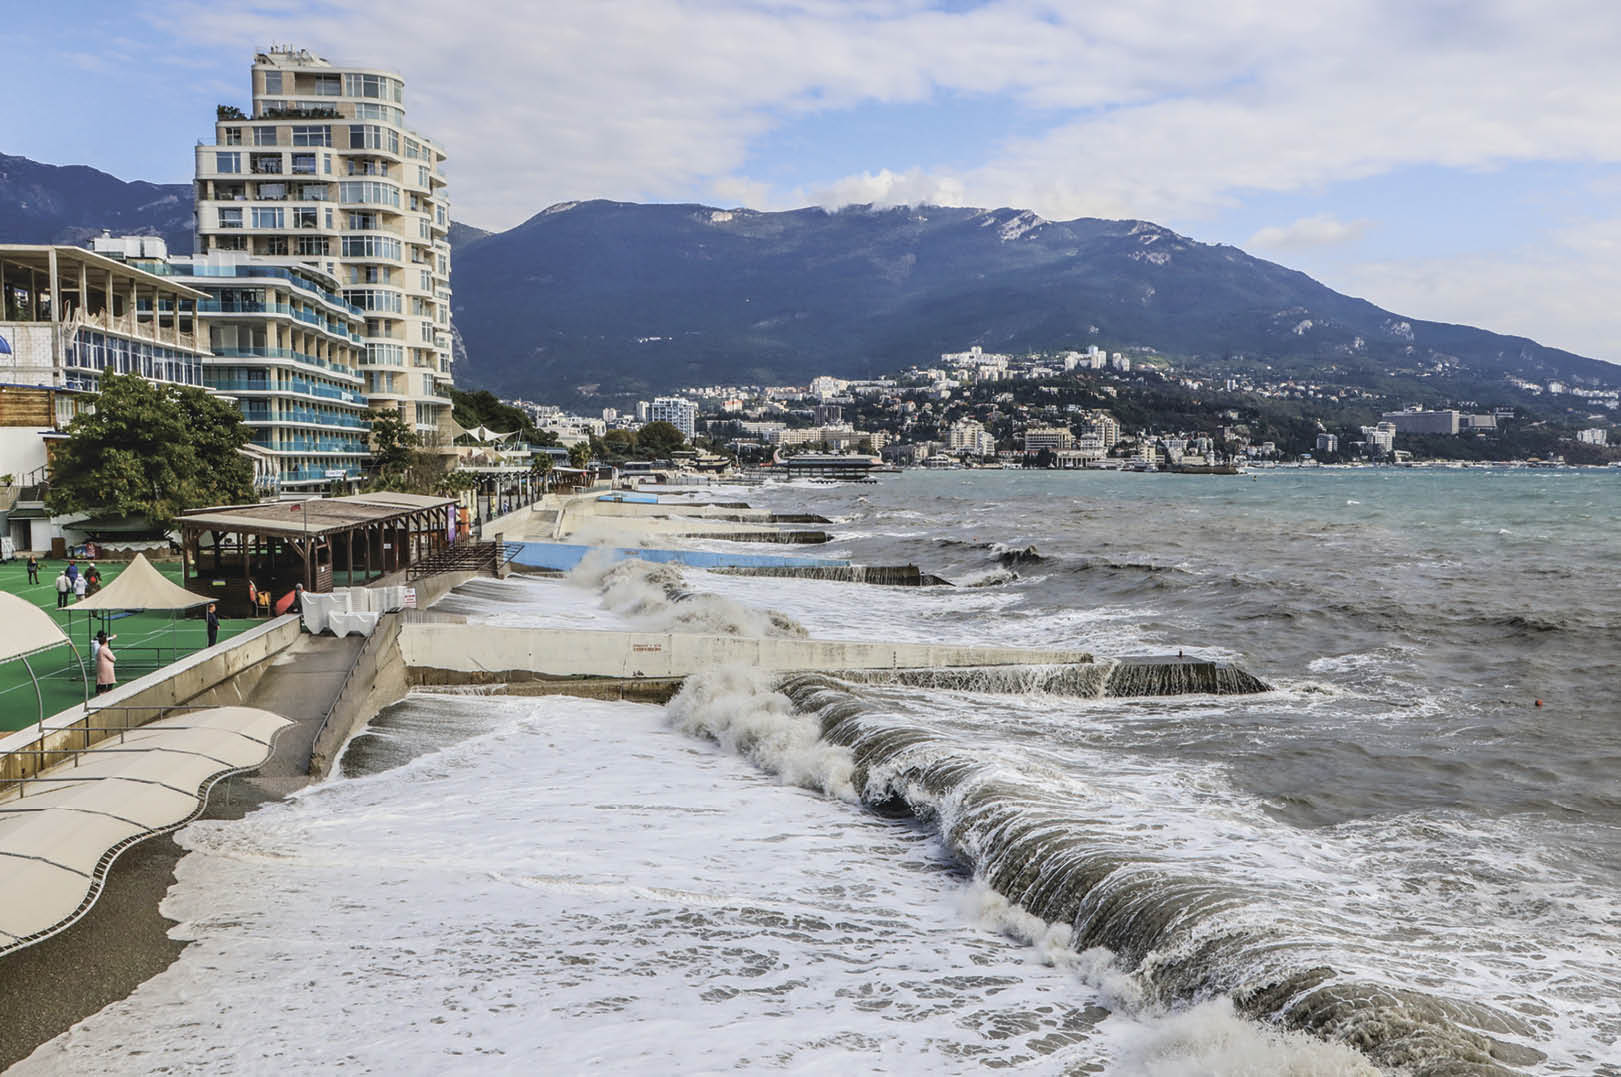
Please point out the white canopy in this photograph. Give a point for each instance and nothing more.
(54, 842)
(25, 629)
(141, 587)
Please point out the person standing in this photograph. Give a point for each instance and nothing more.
(33, 569)
(212, 619)
(92, 578)
(298, 600)
(253, 599)
(63, 586)
(80, 586)
(73, 572)
(105, 661)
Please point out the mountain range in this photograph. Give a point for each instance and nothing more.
(613, 299)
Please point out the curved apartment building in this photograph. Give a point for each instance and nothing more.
(324, 171)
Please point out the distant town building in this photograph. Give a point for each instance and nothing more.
(1593, 436)
(1478, 423)
(826, 414)
(1328, 443)
(970, 435)
(1102, 426)
(1037, 438)
(1417, 421)
(1381, 438)
(679, 413)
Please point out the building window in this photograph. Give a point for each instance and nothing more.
(303, 164)
(272, 192)
(227, 162)
(230, 218)
(230, 243)
(385, 354)
(328, 85)
(267, 217)
(310, 246)
(379, 247)
(329, 219)
(276, 245)
(267, 164)
(374, 86)
(311, 192)
(272, 82)
(306, 217)
(320, 135)
(375, 299)
(233, 136)
(264, 136)
(369, 193)
(427, 280)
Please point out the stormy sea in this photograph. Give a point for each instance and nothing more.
(1404, 858)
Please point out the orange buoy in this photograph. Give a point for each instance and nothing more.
(1539, 702)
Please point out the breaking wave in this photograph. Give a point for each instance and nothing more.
(1160, 939)
(655, 597)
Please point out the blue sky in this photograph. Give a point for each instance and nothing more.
(1456, 161)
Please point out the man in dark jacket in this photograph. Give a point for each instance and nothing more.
(212, 619)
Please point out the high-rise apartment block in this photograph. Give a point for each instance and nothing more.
(323, 170)
(679, 413)
(285, 346)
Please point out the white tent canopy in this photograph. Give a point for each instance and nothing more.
(26, 629)
(141, 587)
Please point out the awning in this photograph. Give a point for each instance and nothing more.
(55, 842)
(26, 629)
(141, 587)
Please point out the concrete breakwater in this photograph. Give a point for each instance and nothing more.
(611, 664)
(885, 575)
(1122, 678)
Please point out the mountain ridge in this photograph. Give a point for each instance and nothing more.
(603, 298)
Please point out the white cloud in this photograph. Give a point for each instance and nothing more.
(1321, 230)
(1162, 108)
(885, 189)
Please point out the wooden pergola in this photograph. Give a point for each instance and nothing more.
(321, 542)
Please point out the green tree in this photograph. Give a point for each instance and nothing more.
(541, 467)
(659, 439)
(579, 455)
(392, 442)
(151, 450)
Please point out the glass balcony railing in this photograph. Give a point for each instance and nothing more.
(163, 269)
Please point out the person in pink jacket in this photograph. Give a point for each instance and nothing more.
(105, 676)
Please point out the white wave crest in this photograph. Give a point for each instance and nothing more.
(738, 707)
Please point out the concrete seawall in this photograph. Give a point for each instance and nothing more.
(555, 652)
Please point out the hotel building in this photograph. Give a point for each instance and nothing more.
(322, 170)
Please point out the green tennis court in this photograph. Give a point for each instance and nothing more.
(146, 641)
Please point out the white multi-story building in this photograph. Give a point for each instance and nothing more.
(970, 435)
(679, 413)
(1596, 435)
(1037, 438)
(323, 170)
(1102, 426)
(1381, 438)
(286, 346)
